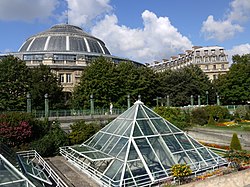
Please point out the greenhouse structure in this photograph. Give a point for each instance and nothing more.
(138, 148)
(26, 169)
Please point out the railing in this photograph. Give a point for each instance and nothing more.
(64, 113)
(31, 155)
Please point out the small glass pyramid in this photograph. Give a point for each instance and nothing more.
(138, 148)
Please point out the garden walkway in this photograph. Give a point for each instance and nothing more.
(70, 174)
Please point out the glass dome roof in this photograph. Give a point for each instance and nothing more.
(64, 38)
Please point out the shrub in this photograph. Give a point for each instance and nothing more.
(199, 116)
(49, 144)
(211, 120)
(235, 143)
(180, 171)
(82, 131)
(218, 112)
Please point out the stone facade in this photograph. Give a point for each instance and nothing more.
(213, 61)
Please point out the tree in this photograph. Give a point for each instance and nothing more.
(235, 143)
(234, 87)
(182, 83)
(43, 81)
(109, 82)
(14, 83)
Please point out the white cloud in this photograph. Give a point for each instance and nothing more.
(227, 28)
(219, 30)
(238, 49)
(26, 10)
(240, 10)
(84, 12)
(158, 39)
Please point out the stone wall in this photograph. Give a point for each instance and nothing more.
(238, 179)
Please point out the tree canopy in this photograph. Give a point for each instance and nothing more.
(182, 83)
(14, 83)
(109, 82)
(17, 80)
(234, 87)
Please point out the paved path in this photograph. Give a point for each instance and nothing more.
(71, 175)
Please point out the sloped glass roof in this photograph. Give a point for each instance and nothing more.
(138, 148)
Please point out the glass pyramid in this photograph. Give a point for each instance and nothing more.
(138, 148)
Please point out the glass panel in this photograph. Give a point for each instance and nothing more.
(128, 131)
(128, 114)
(117, 148)
(148, 155)
(141, 113)
(172, 144)
(82, 148)
(137, 131)
(132, 153)
(115, 125)
(184, 141)
(96, 155)
(104, 129)
(172, 127)
(112, 142)
(113, 168)
(195, 143)
(95, 139)
(128, 180)
(123, 127)
(161, 152)
(182, 158)
(102, 141)
(138, 171)
(204, 153)
(123, 153)
(150, 113)
(160, 126)
(146, 127)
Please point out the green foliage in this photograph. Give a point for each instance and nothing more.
(242, 111)
(82, 131)
(14, 83)
(235, 143)
(49, 144)
(234, 87)
(218, 112)
(176, 116)
(211, 120)
(109, 82)
(182, 83)
(43, 81)
(199, 116)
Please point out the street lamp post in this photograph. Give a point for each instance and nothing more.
(46, 105)
(199, 100)
(128, 101)
(192, 100)
(28, 103)
(207, 96)
(218, 100)
(168, 103)
(92, 104)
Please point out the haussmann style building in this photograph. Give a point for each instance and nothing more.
(212, 60)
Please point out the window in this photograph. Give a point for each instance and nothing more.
(198, 53)
(206, 52)
(222, 58)
(214, 67)
(33, 57)
(222, 66)
(213, 51)
(206, 67)
(214, 77)
(221, 50)
(68, 77)
(206, 59)
(213, 59)
(61, 77)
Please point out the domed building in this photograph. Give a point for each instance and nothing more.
(67, 50)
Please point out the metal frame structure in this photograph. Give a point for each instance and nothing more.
(139, 148)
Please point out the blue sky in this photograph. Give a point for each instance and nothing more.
(142, 30)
